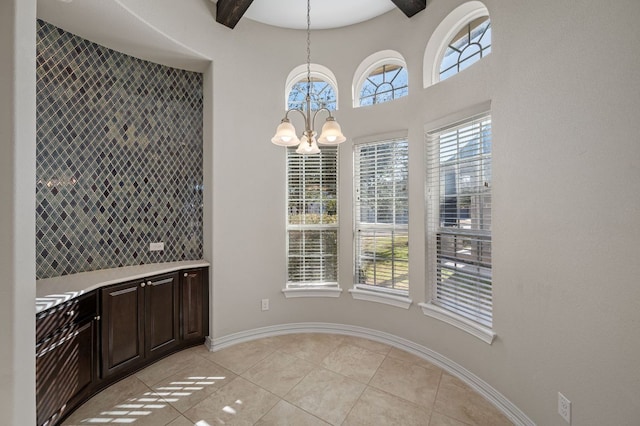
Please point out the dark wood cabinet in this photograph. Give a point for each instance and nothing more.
(195, 304)
(96, 339)
(66, 357)
(122, 326)
(140, 321)
(162, 315)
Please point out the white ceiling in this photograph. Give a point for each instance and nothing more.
(324, 13)
(112, 23)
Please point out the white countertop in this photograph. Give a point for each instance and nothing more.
(54, 291)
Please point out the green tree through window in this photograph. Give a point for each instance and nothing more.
(382, 215)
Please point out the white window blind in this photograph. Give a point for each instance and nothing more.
(459, 218)
(382, 215)
(312, 218)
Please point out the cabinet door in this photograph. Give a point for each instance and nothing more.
(195, 304)
(162, 327)
(122, 326)
(64, 370)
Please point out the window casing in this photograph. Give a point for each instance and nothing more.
(312, 218)
(381, 216)
(459, 219)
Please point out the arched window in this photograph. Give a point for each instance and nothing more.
(461, 39)
(471, 43)
(324, 92)
(381, 77)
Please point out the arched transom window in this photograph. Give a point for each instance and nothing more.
(381, 77)
(322, 95)
(385, 83)
(323, 88)
(460, 40)
(468, 46)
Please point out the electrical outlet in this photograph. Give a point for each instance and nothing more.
(156, 246)
(265, 304)
(564, 407)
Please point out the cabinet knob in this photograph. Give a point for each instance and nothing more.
(97, 318)
(142, 284)
(71, 313)
(186, 275)
(148, 282)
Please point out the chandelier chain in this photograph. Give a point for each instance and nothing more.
(307, 144)
(308, 48)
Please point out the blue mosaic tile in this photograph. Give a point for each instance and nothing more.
(118, 158)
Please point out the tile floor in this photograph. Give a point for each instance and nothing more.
(297, 379)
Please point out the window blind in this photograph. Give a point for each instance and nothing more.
(312, 217)
(459, 218)
(382, 215)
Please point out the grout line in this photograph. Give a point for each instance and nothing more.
(354, 404)
(377, 369)
(433, 408)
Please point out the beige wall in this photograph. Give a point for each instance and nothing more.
(17, 211)
(564, 85)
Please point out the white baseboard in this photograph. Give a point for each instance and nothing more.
(483, 388)
(208, 342)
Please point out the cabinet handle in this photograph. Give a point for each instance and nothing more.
(71, 313)
(142, 285)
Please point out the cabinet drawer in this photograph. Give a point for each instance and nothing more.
(65, 314)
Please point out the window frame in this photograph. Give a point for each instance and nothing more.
(311, 288)
(391, 83)
(372, 292)
(442, 36)
(318, 71)
(433, 307)
(368, 65)
(485, 49)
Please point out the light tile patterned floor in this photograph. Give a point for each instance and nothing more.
(297, 379)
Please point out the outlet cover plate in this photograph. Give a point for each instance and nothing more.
(156, 246)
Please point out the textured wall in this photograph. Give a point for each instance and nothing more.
(119, 158)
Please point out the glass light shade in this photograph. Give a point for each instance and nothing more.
(305, 148)
(285, 135)
(331, 133)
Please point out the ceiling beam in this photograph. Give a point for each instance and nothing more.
(229, 12)
(410, 7)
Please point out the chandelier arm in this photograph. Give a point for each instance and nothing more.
(308, 131)
(316, 113)
(286, 114)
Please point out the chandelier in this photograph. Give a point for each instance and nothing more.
(307, 144)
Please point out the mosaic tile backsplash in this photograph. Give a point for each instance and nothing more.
(119, 158)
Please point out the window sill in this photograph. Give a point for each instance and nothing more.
(481, 332)
(312, 292)
(380, 297)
